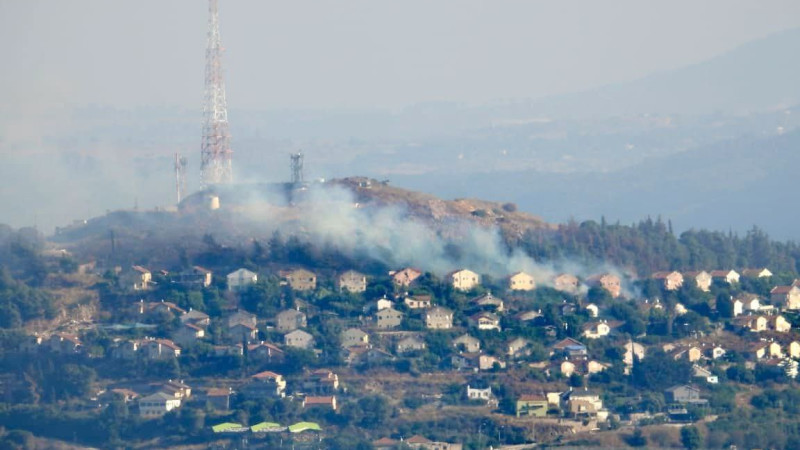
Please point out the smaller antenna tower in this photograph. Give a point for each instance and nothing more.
(180, 175)
(297, 168)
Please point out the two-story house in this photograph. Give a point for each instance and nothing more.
(467, 343)
(404, 277)
(388, 318)
(607, 281)
(439, 318)
(300, 279)
(521, 281)
(240, 279)
(298, 339)
(464, 279)
(671, 281)
(700, 278)
(566, 282)
(352, 281)
(290, 319)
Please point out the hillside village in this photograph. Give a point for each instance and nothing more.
(258, 356)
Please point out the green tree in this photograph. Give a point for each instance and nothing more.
(690, 437)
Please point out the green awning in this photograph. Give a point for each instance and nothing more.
(266, 426)
(304, 426)
(227, 426)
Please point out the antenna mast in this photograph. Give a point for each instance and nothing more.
(297, 168)
(215, 150)
(180, 175)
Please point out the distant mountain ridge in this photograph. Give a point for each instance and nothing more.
(731, 185)
(758, 75)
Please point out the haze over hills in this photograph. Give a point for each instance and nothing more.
(728, 185)
(115, 158)
(759, 75)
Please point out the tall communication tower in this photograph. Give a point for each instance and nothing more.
(215, 150)
(297, 168)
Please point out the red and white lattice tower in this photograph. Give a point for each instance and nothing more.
(215, 150)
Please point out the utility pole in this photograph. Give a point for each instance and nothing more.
(180, 176)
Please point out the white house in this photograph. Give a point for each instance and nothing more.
(241, 278)
(157, 405)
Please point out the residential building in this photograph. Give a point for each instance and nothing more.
(388, 318)
(265, 384)
(352, 281)
(290, 319)
(670, 281)
(137, 278)
(585, 404)
(158, 404)
(240, 279)
(485, 321)
(196, 317)
(196, 276)
(596, 329)
(159, 348)
(404, 277)
(242, 332)
(489, 362)
(219, 398)
(753, 323)
(704, 374)
(484, 394)
(592, 309)
(535, 405)
(418, 301)
(786, 296)
(701, 278)
(298, 339)
(515, 347)
(630, 350)
(725, 276)
(354, 337)
(300, 279)
(328, 402)
(64, 343)
(321, 382)
(607, 281)
(566, 282)
(439, 318)
(488, 301)
(410, 344)
(464, 279)
(779, 324)
(242, 317)
(570, 348)
(684, 394)
(521, 281)
(264, 351)
(188, 334)
(468, 343)
(761, 272)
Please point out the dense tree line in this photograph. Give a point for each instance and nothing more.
(651, 245)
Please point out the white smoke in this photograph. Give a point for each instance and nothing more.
(329, 215)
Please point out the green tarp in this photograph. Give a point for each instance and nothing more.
(227, 426)
(266, 426)
(304, 426)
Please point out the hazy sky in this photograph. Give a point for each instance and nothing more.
(327, 54)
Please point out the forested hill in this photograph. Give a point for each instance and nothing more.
(651, 246)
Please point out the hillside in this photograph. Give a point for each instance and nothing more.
(720, 186)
